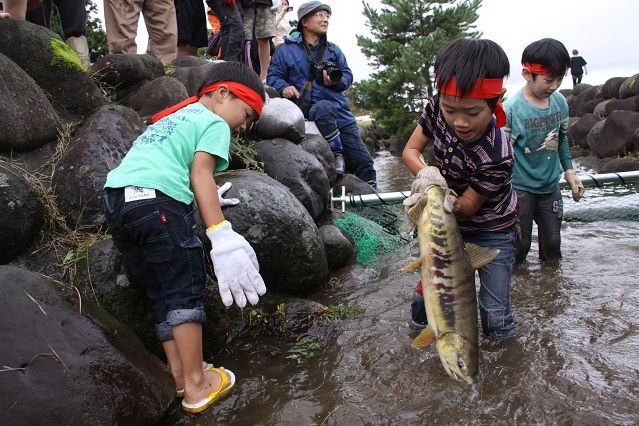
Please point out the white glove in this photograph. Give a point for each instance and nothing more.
(427, 177)
(576, 186)
(226, 201)
(235, 266)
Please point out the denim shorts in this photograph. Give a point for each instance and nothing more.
(162, 253)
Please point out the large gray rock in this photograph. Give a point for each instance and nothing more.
(611, 87)
(98, 146)
(619, 135)
(630, 87)
(28, 119)
(280, 230)
(281, 118)
(339, 245)
(68, 362)
(298, 170)
(21, 214)
(193, 77)
(578, 132)
(317, 146)
(124, 72)
(51, 63)
(155, 95)
(627, 104)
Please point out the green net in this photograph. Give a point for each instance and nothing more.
(609, 202)
(374, 230)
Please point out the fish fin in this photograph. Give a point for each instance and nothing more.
(480, 256)
(413, 266)
(416, 211)
(423, 339)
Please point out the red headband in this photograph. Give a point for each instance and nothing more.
(484, 88)
(246, 94)
(538, 69)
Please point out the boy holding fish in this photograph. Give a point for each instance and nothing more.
(472, 157)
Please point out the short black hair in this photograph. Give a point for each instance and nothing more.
(469, 59)
(237, 72)
(550, 53)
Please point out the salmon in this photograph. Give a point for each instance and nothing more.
(448, 279)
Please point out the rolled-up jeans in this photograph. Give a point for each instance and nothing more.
(357, 158)
(494, 294)
(163, 255)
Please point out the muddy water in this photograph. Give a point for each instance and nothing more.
(575, 359)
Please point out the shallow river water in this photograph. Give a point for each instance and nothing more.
(575, 359)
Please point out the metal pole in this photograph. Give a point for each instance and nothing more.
(597, 180)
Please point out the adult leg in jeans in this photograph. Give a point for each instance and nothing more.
(357, 156)
(548, 218)
(325, 117)
(494, 294)
(526, 206)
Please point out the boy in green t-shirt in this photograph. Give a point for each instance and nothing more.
(537, 117)
(149, 206)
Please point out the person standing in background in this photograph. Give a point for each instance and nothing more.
(191, 25)
(232, 29)
(259, 23)
(73, 20)
(577, 67)
(121, 20)
(282, 27)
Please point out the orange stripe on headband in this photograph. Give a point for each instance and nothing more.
(246, 94)
(484, 88)
(538, 69)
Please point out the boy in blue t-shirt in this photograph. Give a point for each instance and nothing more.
(537, 118)
(473, 157)
(149, 206)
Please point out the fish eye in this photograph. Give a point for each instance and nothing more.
(462, 364)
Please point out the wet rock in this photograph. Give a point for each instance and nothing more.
(51, 63)
(580, 88)
(296, 169)
(98, 147)
(28, 119)
(72, 366)
(21, 214)
(281, 118)
(280, 230)
(339, 245)
(156, 95)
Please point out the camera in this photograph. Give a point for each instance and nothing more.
(333, 71)
(289, 9)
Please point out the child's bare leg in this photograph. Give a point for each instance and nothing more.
(198, 383)
(175, 366)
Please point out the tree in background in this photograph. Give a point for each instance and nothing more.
(96, 36)
(406, 35)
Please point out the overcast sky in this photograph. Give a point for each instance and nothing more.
(605, 32)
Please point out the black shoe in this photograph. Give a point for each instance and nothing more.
(340, 166)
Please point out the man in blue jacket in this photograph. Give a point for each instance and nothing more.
(314, 73)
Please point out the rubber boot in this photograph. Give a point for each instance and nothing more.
(81, 48)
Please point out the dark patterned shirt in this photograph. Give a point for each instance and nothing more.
(486, 165)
